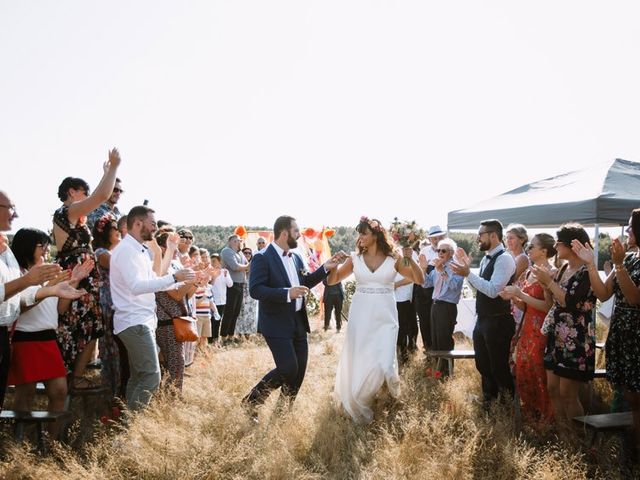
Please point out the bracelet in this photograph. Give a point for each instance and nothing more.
(619, 267)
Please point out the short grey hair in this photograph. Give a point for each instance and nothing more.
(448, 242)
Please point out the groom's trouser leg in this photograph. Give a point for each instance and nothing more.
(301, 348)
(286, 371)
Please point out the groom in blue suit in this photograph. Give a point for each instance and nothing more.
(279, 281)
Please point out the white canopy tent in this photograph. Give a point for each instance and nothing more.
(601, 195)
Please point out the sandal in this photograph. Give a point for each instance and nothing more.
(84, 383)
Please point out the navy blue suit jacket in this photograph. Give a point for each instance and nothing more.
(269, 284)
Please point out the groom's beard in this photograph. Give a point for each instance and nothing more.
(292, 242)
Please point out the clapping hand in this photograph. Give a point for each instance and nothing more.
(510, 292)
(81, 271)
(40, 274)
(585, 252)
(172, 241)
(542, 274)
(186, 275)
(461, 264)
(62, 276)
(66, 291)
(617, 252)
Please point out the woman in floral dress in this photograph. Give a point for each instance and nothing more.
(623, 341)
(82, 324)
(530, 342)
(248, 318)
(570, 353)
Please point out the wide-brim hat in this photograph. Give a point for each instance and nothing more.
(436, 231)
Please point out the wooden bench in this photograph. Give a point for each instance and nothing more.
(606, 422)
(451, 355)
(40, 389)
(20, 419)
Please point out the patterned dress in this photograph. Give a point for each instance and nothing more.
(82, 322)
(571, 341)
(248, 318)
(531, 378)
(623, 341)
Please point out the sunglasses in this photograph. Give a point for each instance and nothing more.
(443, 250)
(186, 237)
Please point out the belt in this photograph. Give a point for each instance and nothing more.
(443, 302)
(374, 290)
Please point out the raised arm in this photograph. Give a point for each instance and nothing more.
(629, 289)
(412, 271)
(603, 290)
(101, 193)
(340, 273)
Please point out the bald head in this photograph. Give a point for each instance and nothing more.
(7, 212)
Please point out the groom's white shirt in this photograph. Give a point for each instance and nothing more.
(290, 268)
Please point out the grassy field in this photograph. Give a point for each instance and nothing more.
(436, 430)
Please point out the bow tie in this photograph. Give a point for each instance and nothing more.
(286, 254)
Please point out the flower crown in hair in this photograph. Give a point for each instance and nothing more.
(374, 225)
(103, 222)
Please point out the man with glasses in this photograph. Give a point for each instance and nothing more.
(133, 284)
(494, 325)
(422, 294)
(447, 287)
(14, 291)
(108, 207)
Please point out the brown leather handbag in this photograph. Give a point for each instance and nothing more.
(185, 329)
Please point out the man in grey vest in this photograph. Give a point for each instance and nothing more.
(234, 261)
(494, 325)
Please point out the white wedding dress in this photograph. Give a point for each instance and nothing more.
(368, 357)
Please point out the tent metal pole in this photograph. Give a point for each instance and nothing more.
(596, 240)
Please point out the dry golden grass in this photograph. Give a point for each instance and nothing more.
(436, 430)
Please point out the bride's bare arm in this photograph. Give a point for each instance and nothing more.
(411, 272)
(340, 273)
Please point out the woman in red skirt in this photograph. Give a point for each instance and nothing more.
(35, 355)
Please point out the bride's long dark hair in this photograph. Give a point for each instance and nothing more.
(383, 240)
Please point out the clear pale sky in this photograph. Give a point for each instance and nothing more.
(234, 112)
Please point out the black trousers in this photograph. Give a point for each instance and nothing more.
(406, 320)
(232, 310)
(215, 324)
(443, 322)
(5, 362)
(422, 301)
(333, 303)
(290, 356)
(492, 340)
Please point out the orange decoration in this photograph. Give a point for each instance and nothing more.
(329, 232)
(240, 231)
(309, 232)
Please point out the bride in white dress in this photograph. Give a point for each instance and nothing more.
(368, 356)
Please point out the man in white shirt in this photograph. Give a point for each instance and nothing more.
(13, 285)
(133, 284)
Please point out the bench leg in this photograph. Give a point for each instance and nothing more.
(450, 362)
(40, 433)
(18, 432)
